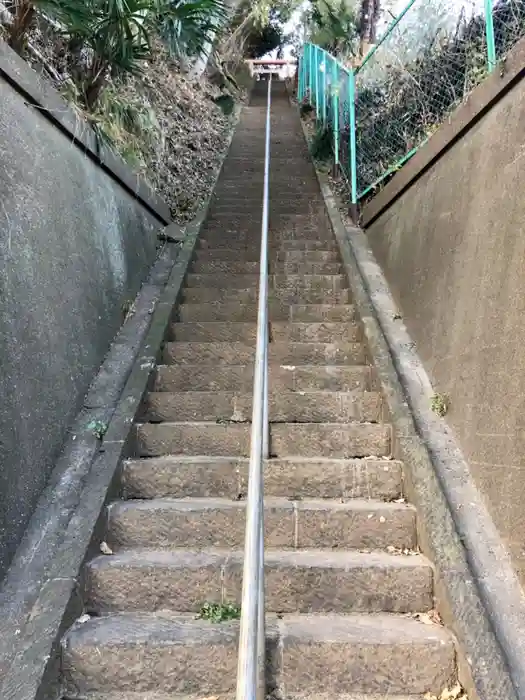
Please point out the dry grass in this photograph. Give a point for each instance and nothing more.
(165, 125)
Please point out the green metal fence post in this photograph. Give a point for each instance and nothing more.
(324, 59)
(305, 71)
(300, 75)
(305, 68)
(316, 69)
(310, 73)
(489, 31)
(352, 145)
(335, 109)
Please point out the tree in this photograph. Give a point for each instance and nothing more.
(256, 28)
(368, 18)
(22, 15)
(333, 26)
(115, 37)
(260, 41)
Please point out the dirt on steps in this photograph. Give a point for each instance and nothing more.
(345, 584)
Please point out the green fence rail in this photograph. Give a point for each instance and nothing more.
(427, 62)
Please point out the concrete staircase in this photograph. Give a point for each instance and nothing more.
(344, 581)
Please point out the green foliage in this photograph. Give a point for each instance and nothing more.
(118, 34)
(257, 28)
(262, 40)
(98, 428)
(321, 145)
(220, 612)
(439, 404)
(334, 27)
(128, 127)
(187, 26)
(23, 15)
(226, 103)
(305, 108)
(423, 70)
(271, 11)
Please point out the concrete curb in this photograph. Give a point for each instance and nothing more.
(478, 591)
(39, 600)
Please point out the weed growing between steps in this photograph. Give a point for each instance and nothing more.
(321, 147)
(98, 428)
(219, 612)
(439, 404)
(305, 110)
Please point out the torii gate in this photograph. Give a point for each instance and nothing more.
(284, 68)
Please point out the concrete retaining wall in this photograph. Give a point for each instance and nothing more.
(449, 233)
(78, 234)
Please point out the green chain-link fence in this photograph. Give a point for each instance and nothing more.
(428, 61)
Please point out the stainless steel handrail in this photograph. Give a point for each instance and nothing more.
(251, 665)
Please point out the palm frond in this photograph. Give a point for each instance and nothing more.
(187, 26)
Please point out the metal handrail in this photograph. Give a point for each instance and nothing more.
(251, 664)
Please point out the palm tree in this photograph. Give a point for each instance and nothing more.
(116, 36)
(23, 12)
(334, 27)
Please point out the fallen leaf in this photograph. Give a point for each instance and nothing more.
(105, 548)
(454, 693)
(430, 618)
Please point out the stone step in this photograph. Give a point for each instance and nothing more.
(227, 477)
(330, 440)
(295, 581)
(242, 216)
(315, 332)
(232, 254)
(239, 378)
(327, 283)
(214, 332)
(202, 295)
(306, 204)
(154, 695)
(280, 331)
(343, 596)
(294, 407)
(247, 233)
(311, 255)
(283, 234)
(169, 523)
(239, 267)
(282, 353)
(254, 246)
(247, 218)
(251, 247)
(333, 440)
(178, 654)
(233, 312)
(228, 191)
